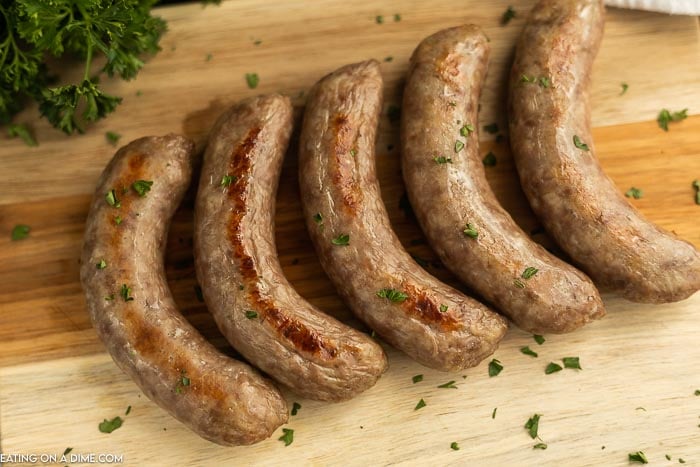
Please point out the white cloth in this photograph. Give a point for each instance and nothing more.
(674, 7)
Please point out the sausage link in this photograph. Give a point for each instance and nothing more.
(447, 186)
(553, 150)
(133, 311)
(433, 323)
(256, 308)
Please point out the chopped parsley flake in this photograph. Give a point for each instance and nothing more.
(633, 192)
(665, 117)
(118, 220)
(417, 379)
(112, 137)
(392, 295)
(507, 16)
(580, 144)
(466, 130)
(341, 240)
(108, 426)
(287, 437)
(252, 80)
(250, 314)
(624, 86)
(696, 185)
(454, 446)
(539, 339)
(67, 451)
(489, 159)
(540, 446)
(638, 457)
(528, 351)
(142, 187)
(442, 160)
(125, 293)
(295, 408)
(544, 82)
(572, 362)
(379, 19)
(470, 231)
(493, 414)
(532, 425)
(443, 308)
(491, 128)
(459, 146)
(527, 79)
(397, 17)
(22, 131)
(495, 368)
(448, 385)
(20, 232)
(421, 403)
(227, 180)
(112, 199)
(529, 272)
(552, 368)
(102, 264)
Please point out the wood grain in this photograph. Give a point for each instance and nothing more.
(53, 367)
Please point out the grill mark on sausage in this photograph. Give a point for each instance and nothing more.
(293, 330)
(421, 305)
(344, 138)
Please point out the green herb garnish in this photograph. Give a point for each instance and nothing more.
(142, 187)
(454, 446)
(421, 403)
(552, 368)
(493, 414)
(665, 117)
(252, 80)
(250, 314)
(491, 128)
(392, 295)
(532, 425)
(528, 351)
(489, 159)
(448, 385)
(540, 446)
(20, 232)
(638, 457)
(102, 264)
(287, 437)
(544, 82)
(470, 231)
(507, 16)
(527, 79)
(67, 451)
(128, 410)
(108, 426)
(397, 17)
(125, 293)
(696, 185)
(112, 137)
(529, 272)
(495, 368)
(572, 362)
(118, 220)
(633, 192)
(466, 130)
(580, 144)
(379, 19)
(442, 160)
(295, 408)
(227, 180)
(20, 130)
(539, 339)
(112, 199)
(341, 240)
(443, 308)
(417, 379)
(459, 146)
(624, 86)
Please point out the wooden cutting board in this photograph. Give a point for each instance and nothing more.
(640, 364)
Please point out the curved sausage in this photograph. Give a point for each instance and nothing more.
(133, 311)
(433, 323)
(255, 307)
(553, 150)
(447, 186)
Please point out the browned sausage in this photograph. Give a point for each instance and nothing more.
(433, 323)
(122, 273)
(255, 307)
(448, 190)
(562, 179)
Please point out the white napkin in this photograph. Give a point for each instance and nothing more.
(674, 7)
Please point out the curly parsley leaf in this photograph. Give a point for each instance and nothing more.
(108, 426)
(392, 295)
(665, 117)
(21, 131)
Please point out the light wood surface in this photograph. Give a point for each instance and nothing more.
(57, 383)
